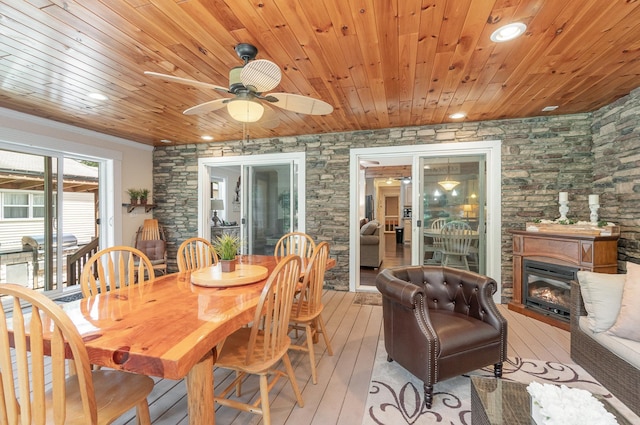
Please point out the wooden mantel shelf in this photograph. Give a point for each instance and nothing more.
(584, 252)
(131, 207)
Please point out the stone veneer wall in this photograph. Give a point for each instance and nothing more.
(616, 148)
(540, 157)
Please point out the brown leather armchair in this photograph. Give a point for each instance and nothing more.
(441, 322)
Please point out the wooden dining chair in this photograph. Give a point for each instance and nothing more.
(150, 239)
(30, 395)
(196, 253)
(298, 243)
(257, 349)
(307, 310)
(456, 241)
(115, 267)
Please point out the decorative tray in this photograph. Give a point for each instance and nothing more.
(576, 229)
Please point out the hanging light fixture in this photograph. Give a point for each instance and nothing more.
(447, 183)
(245, 110)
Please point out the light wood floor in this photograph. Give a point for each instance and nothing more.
(343, 379)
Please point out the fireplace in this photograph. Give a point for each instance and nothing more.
(547, 288)
(552, 261)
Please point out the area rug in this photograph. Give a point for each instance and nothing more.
(368, 298)
(396, 397)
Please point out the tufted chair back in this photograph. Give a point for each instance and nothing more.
(441, 322)
(450, 289)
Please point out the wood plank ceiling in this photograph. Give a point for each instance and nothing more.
(380, 63)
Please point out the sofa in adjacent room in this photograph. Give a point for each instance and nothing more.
(371, 244)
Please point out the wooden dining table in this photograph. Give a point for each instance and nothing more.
(169, 328)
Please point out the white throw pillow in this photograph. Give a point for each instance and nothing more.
(627, 324)
(602, 295)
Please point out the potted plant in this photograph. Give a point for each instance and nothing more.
(134, 194)
(227, 247)
(144, 195)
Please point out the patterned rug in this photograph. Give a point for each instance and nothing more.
(368, 298)
(396, 397)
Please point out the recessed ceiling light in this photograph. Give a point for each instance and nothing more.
(206, 137)
(549, 108)
(508, 32)
(97, 96)
(165, 141)
(457, 115)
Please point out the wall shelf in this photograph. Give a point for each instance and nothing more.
(147, 207)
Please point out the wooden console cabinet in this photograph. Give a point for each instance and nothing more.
(584, 252)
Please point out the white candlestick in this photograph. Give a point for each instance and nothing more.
(564, 197)
(594, 213)
(594, 199)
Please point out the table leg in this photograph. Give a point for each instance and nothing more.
(200, 391)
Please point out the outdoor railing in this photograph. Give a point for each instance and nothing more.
(77, 260)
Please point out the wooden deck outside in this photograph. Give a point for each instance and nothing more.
(343, 380)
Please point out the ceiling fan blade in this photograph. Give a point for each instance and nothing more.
(301, 104)
(186, 81)
(261, 74)
(203, 108)
(269, 119)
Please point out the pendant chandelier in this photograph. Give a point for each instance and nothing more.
(447, 183)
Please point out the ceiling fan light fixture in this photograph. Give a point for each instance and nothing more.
(508, 32)
(244, 110)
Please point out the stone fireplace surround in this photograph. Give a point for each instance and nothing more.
(575, 251)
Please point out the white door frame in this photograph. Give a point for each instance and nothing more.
(490, 148)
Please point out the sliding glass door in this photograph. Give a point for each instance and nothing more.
(48, 210)
(452, 189)
(271, 201)
(264, 198)
(474, 199)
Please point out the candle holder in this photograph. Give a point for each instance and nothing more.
(594, 213)
(564, 209)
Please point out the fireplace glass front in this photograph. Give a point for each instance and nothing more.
(547, 288)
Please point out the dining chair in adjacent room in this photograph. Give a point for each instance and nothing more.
(115, 267)
(196, 253)
(46, 336)
(298, 243)
(258, 349)
(435, 247)
(456, 241)
(307, 310)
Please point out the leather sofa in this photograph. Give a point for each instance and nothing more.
(441, 322)
(371, 245)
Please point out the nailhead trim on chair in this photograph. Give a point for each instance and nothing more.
(421, 321)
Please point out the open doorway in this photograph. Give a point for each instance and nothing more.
(386, 183)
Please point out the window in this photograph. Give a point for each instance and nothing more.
(16, 205)
(22, 205)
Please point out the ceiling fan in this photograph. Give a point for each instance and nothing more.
(248, 84)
